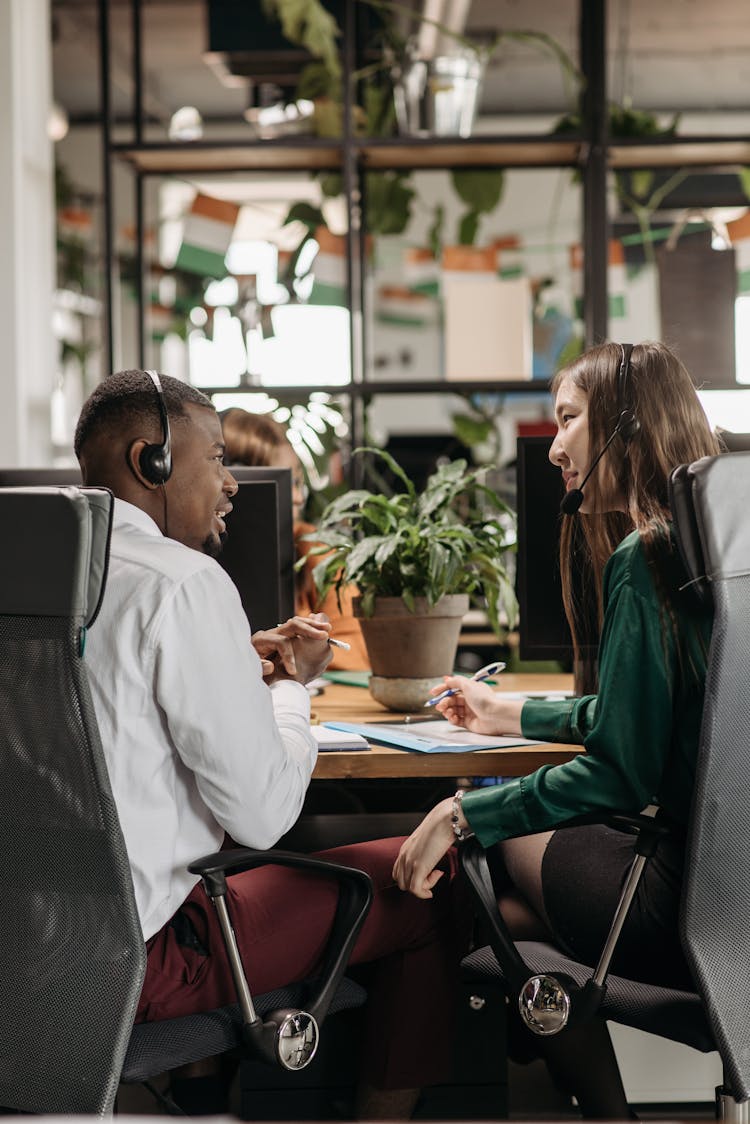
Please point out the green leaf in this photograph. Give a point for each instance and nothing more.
(388, 207)
(316, 80)
(435, 233)
(641, 182)
(360, 555)
(481, 190)
(744, 177)
(380, 111)
(331, 184)
(467, 228)
(471, 431)
(393, 465)
(308, 24)
(311, 217)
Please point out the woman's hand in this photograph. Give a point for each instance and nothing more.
(414, 869)
(296, 649)
(478, 708)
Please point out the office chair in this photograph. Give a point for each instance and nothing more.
(72, 946)
(556, 995)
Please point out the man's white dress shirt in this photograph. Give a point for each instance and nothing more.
(195, 742)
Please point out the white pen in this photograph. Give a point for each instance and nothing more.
(339, 644)
(485, 672)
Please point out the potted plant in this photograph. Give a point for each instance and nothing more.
(417, 559)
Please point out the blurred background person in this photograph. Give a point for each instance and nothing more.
(258, 439)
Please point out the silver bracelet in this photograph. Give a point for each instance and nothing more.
(461, 833)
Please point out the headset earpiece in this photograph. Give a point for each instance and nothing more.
(153, 465)
(155, 460)
(628, 425)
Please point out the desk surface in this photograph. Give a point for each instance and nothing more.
(355, 704)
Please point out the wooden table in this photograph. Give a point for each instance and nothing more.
(355, 704)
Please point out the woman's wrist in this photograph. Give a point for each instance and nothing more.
(459, 823)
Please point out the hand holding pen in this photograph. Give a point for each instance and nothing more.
(480, 676)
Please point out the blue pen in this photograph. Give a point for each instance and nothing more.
(485, 672)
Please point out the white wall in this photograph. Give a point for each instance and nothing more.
(27, 373)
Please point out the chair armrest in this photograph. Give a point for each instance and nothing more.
(355, 897)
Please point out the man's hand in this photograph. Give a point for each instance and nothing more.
(296, 649)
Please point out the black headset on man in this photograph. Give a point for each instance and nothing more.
(155, 460)
(627, 426)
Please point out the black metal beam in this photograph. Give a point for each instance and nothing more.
(107, 194)
(596, 232)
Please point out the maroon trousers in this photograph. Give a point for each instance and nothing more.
(282, 918)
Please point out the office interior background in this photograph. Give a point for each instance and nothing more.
(153, 200)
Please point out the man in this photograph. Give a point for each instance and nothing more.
(198, 745)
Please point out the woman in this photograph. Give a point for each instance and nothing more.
(257, 439)
(641, 729)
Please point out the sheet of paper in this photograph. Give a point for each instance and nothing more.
(429, 737)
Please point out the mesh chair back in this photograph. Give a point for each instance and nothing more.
(716, 899)
(71, 941)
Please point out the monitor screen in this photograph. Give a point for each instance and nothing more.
(543, 629)
(258, 552)
(27, 477)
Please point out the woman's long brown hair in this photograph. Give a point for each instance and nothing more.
(673, 430)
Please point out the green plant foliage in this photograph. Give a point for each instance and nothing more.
(388, 201)
(481, 190)
(744, 177)
(307, 23)
(450, 538)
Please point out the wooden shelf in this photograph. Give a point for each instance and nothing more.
(472, 152)
(683, 151)
(314, 154)
(257, 156)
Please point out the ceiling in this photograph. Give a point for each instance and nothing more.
(668, 55)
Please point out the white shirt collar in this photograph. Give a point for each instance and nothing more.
(125, 512)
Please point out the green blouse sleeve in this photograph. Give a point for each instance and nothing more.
(626, 729)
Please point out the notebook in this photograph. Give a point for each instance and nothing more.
(329, 740)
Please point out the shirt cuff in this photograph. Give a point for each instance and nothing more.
(547, 720)
(496, 812)
(291, 694)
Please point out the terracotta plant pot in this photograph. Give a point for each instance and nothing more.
(410, 647)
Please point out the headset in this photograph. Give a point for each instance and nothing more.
(627, 426)
(155, 461)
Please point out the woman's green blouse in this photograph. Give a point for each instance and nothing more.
(640, 731)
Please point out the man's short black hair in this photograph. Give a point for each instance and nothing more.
(130, 396)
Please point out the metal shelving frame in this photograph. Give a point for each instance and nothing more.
(592, 153)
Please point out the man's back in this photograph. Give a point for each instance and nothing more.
(194, 744)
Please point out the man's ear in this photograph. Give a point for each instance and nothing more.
(133, 458)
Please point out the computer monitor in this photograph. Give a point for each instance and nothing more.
(27, 477)
(258, 552)
(543, 628)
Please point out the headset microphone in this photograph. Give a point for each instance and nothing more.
(573, 499)
(627, 426)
